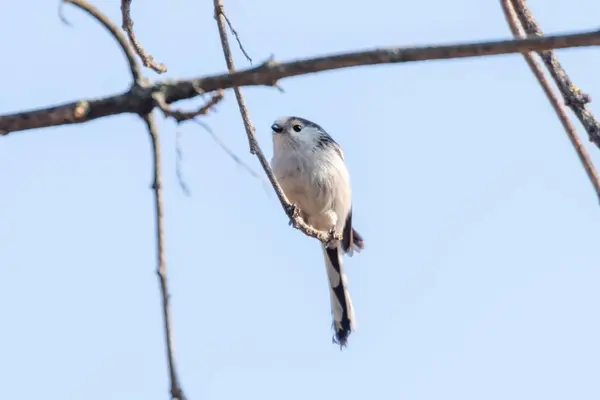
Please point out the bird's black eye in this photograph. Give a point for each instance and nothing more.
(297, 127)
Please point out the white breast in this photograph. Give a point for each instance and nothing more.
(317, 182)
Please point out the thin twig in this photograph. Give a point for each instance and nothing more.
(180, 115)
(290, 209)
(134, 67)
(127, 25)
(140, 100)
(237, 38)
(574, 98)
(227, 150)
(161, 270)
(178, 165)
(516, 29)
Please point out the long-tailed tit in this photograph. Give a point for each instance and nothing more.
(309, 166)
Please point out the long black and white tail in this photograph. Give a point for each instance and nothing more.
(341, 305)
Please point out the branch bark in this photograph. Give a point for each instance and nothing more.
(584, 158)
(139, 100)
(161, 268)
(574, 98)
(127, 26)
(290, 209)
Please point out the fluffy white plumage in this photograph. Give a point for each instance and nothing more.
(309, 166)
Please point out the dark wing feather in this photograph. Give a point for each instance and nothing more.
(351, 238)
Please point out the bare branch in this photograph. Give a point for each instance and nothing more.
(290, 209)
(586, 162)
(140, 100)
(127, 25)
(142, 104)
(115, 33)
(161, 270)
(574, 98)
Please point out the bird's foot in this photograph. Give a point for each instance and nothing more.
(293, 212)
(331, 242)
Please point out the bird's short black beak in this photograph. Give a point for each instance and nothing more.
(276, 128)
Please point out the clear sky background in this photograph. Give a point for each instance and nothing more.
(480, 274)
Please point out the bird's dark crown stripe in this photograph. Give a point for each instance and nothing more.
(324, 139)
(308, 123)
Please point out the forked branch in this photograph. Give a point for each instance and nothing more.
(517, 30)
(574, 98)
(83, 108)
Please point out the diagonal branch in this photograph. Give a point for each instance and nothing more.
(584, 158)
(127, 25)
(574, 98)
(290, 209)
(139, 100)
(115, 33)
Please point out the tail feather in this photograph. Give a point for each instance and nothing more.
(341, 305)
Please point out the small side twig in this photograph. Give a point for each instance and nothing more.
(180, 115)
(227, 150)
(574, 98)
(223, 146)
(127, 25)
(584, 158)
(134, 67)
(237, 38)
(178, 167)
(290, 209)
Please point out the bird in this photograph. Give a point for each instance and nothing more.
(309, 166)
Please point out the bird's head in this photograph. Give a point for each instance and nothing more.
(297, 132)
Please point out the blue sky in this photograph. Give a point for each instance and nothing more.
(480, 273)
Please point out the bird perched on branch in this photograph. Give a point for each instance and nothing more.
(309, 166)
